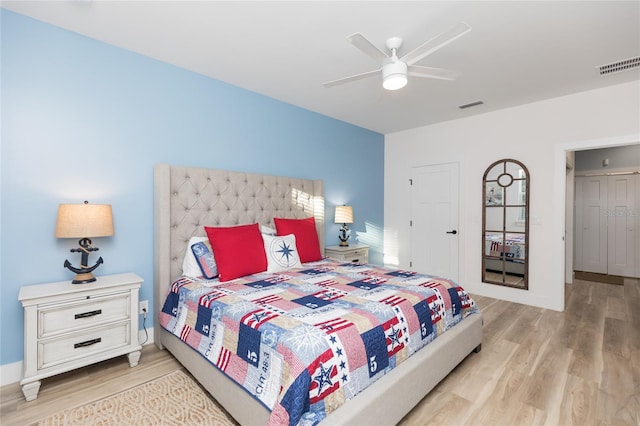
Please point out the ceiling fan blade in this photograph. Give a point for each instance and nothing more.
(352, 78)
(359, 41)
(430, 72)
(436, 43)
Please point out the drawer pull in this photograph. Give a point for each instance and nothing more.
(355, 260)
(89, 314)
(87, 343)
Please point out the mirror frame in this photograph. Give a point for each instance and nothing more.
(500, 182)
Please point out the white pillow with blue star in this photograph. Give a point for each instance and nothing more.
(282, 253)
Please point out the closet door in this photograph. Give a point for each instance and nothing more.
(622, 223)
(591, 224)
(434, 220)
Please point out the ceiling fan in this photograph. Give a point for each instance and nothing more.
(395, 70)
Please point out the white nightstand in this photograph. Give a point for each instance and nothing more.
(352, 253)
(68, 326)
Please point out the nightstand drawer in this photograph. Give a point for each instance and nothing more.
(356, 256)
(57, 318)
(83, 345)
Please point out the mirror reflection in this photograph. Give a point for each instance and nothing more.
(494, 220)
(505, 224)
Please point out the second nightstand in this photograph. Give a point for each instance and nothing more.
(358, 253)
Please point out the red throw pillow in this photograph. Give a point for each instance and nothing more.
(306, 236)
(238, 250)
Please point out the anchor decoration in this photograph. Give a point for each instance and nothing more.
(84, 273)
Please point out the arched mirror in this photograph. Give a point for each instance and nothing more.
(505, 224)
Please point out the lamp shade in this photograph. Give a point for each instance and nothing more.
(344, 214)
(84, 221)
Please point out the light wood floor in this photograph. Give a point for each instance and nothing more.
(542, 367)
(578, 367)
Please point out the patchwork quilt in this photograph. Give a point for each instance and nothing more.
(306, 340)
(512, 250)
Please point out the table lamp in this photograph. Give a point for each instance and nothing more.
(84, 221)
(344, 215)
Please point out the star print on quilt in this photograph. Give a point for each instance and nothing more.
(305, 340)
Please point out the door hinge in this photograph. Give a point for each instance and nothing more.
(410, 223)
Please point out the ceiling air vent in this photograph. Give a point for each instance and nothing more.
(472, 104)
(624, 65)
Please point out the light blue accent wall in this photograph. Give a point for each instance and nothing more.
(83, 120)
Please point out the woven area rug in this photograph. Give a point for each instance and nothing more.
(174, 399)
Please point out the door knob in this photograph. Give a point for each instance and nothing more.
(454, 232)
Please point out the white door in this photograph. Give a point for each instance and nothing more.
(621, 217)
(434, 220)
(591, 224)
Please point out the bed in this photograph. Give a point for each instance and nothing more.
(186, 199)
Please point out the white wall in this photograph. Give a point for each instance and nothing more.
(537, 134)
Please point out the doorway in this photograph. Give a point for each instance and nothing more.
(566, 206)
(605, 208)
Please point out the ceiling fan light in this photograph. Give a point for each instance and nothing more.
(394, 75)
(394, 82)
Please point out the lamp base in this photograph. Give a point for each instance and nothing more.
(83, 273)
(343, 236)
(83, 278)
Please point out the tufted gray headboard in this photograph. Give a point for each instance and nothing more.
(188, 198)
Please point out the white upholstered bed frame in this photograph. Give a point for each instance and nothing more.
(187, 198)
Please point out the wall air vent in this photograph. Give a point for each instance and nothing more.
(472, 104)
(624, 65)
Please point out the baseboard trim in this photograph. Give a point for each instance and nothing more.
(146, 338)
(12, 373)
(599, 278)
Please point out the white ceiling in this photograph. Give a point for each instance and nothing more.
(518, 52)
